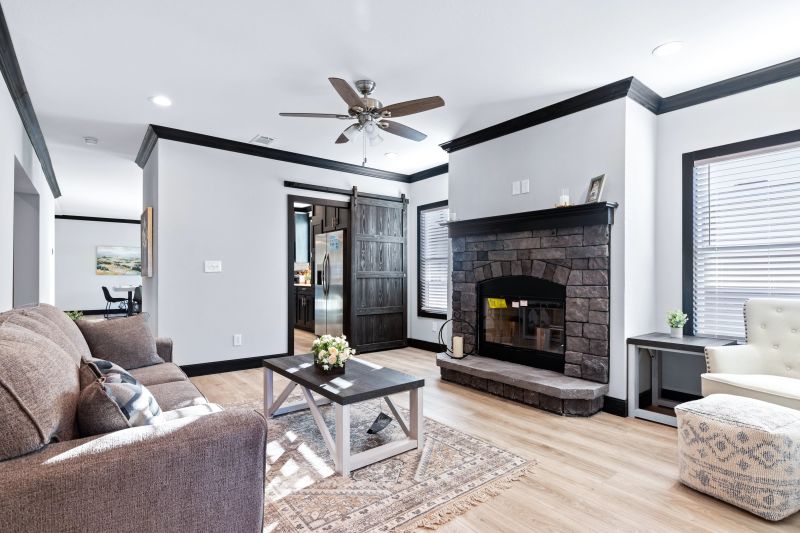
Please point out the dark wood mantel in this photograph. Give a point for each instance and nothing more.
(600, 213)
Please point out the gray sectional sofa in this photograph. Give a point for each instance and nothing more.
(201, 468)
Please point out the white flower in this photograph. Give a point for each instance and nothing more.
(324, 367)
(333, 350)
(316, 342)
(332, 359)
(344, 337)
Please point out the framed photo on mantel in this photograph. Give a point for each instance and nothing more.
(147, 242)
(595, 192)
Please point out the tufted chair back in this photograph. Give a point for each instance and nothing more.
(773, 328)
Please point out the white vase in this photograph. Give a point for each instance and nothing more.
(676, 333)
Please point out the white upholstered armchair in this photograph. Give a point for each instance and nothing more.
(767, 367)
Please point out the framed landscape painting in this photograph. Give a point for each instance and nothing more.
(147, 242)
(118, 261)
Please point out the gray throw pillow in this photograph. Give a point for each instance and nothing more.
(127, 342)
(115, 401)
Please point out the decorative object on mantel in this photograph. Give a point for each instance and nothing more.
(456, 349)
(595, 191)
(331, 353)
(563, 199)
(676, 320)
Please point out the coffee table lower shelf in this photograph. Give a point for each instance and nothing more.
(339, 446)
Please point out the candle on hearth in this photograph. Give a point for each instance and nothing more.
(458, 347)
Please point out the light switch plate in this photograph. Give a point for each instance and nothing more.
(213, 266)
(526, 186)
(237, 339)
(515, 188)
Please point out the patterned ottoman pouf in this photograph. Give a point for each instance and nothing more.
(742, 451)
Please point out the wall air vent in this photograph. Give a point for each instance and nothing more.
(262, 140)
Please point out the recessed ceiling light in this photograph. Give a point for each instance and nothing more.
(90, 140)
(667, 49)
(390, 155)
(161, 100)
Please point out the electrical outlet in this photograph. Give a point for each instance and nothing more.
(213, 266)
(526, 186)
(514, 188)
(237, 339)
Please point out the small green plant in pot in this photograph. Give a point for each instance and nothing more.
(676, 320)
(74, 315)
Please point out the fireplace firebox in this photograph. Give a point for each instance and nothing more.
(522, 320)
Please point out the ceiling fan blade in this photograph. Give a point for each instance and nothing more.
(413, 106)
(316, 115)
(347, 93)
(347, 134)
(402, 131)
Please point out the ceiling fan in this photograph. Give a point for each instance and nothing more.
(371, 115)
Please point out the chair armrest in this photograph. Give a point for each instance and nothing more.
(739, 359)
(164, 348)
(201, 473)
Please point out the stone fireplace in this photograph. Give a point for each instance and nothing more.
(535, 289)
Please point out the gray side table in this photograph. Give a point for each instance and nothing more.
(660, 346)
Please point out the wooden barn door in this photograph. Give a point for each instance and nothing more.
(378, 310)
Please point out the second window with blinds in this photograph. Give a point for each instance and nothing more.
(745, 232)
(433, 247)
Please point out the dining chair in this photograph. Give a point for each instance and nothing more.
(112, 300)
(137, 300)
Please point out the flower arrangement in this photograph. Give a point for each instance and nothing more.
(331, 353)
(676, 320)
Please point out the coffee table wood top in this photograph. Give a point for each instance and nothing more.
(361, 381)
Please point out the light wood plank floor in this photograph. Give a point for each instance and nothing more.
(604, 473)
(303, 340)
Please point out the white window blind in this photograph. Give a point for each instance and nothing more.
(434, 247)
(746, 235)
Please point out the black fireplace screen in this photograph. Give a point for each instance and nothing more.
(522, 320)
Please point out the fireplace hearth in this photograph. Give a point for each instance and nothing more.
(522, 320)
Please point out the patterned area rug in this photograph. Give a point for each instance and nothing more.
(418, 489)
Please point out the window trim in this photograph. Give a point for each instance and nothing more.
(420, 208)
(687, 204)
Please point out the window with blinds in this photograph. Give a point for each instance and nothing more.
(746, 235)
(433, 252)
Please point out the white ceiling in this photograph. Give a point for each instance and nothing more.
(230, 67)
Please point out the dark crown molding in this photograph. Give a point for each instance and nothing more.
(428, 173)
(738, 84)
(154, 133)
(98, 219)
(636, 91)
(22, 100)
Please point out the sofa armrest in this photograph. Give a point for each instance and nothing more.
(164, 348)
(739, 359)
(201, 473)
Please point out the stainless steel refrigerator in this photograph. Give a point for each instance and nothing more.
(329, 283)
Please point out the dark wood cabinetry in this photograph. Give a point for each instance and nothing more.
(330, 218)
(304, 307)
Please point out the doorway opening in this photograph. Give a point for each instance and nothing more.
(26, 240)
(318, 270)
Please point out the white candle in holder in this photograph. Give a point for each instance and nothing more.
(458, 347)
(563, 200)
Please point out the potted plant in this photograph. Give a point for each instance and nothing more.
(331, 353)
(676, 320)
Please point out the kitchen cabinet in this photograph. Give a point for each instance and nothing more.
(304, 307)
(330, 218)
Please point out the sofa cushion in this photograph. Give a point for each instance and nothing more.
(44, 327)
(127, 342)
(39, 391)
(177, 394)
(133, 405)
(188, 412)
(157, 374)
(778, 390)
(64, 323)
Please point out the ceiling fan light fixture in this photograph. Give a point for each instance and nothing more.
(351, 132)
(375, 140)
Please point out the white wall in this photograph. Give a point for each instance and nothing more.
(14, 144)
(77, 284)
(213, 204)
(566, 152)
(421, 193)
